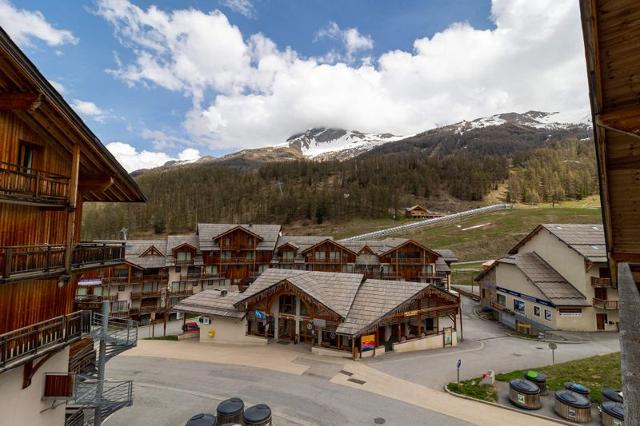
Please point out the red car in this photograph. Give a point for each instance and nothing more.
(191, 327)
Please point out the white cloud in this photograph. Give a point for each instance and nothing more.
(532, 59)
(243, 7)
(132, 159)
(58, 86)
(351, 38)
(90, 110)
(25, 25)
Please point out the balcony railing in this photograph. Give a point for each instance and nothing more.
(149, 308)
(34, 261)
(605, 304)
(155, 277)
(116, 280)
(150, 293)
(93, 300)
(408, 260)
(135, 295)
(97, 254)
(200, 281)
(234, 260)
(21, 345)
(181, 293)
(30, 185)
(602, 282)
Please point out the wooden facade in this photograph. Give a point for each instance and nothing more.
(50, 164)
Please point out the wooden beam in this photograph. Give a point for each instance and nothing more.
(20, 101)
(95, 184)
(624, 120)
(73, 200)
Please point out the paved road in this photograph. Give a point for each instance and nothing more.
(486, 346)
(168, 392)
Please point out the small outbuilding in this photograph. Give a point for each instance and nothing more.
(419, 212)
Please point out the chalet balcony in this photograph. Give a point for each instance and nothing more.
(182, 293)
(116, 280)
(135, 295)
(183, 262)
(150, 294)
(605, 304)
(602, 282)
(93, 301)
(238, 260)
(408, 260)
(154, 277)
(34, 187)
(199, 282)
(46, 260)
(146, 309)
(24, 344)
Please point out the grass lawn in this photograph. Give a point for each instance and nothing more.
(474, 389)
(162, 338)
(596, 373)
(501, 231)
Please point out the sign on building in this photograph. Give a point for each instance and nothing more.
(368, 342)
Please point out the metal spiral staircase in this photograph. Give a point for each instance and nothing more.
(96, 398)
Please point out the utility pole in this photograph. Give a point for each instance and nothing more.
(102, 359)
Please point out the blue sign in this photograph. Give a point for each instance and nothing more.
(260, 315)
(459, 363)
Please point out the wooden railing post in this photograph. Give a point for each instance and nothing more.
(8, 254)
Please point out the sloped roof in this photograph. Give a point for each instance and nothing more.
(301, 242)
(174, 241)
(377, 246)
(208, 231)
(211, 302)
(549, 281)
(335, 290)
(375, 299)
(448, 255)
(134, 248)
(417, 206)
(332, 241)
(441, 265)
(586, 239)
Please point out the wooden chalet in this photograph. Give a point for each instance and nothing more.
(419, 212)
(336, 314)
(239, 253)
(611, 32)
(50, 164)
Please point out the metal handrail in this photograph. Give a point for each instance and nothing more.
(115, 392)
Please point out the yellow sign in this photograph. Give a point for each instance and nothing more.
(368, 342)
(212, 333)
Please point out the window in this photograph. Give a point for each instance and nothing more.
(427, 269)
(320, 255)
(502, 300)
(178, 269)
(547, 315)
(570, 312)
(211, 269)
(82, 291)
(227, 241)
(536, 311)
(226, 255)
(250, 255)
(183, 256)
(249, 240)
(121, 288)
(27, 156)
(97, 291)
(287, 255)
(347, 268)
(287, 304)
(334, 255)
(518, 306)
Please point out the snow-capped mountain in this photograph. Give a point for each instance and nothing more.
(327, 143)
(535, 119)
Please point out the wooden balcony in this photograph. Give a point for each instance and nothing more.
(95, 255)
(45, 260)
(24, 344)
(146, 309)
(59, 386)
(408, 260)
(602, 282)
(605, 304)
(154, 277)
(35, 187)
(237, 260)
(93, 301)
(149, 294)
(116, 280)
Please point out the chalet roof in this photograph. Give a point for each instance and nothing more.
(19, 75)
(335, 290)
(441, 265)
(174, 241)
(417, 206)
(212, 302)
(549, 281)
(448, 255)
(135, 248)
(377, 246)
(301, 242)
(376, 299)
(586, 239)
(208, 231)
(330, 240)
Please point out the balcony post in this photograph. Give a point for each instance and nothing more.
(73, 200)
(8, 254)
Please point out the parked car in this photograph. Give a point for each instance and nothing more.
(191, 327)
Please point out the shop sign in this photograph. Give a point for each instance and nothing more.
(368, 342)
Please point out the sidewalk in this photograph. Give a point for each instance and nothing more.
(368, 379)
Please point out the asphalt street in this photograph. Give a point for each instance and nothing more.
(168, 392)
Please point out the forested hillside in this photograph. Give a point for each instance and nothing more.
(370, 186)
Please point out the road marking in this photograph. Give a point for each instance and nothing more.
(276, 413)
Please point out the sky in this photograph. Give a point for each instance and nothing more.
(179, 79)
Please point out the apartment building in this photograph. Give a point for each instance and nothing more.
(50, 165)
(556, 278)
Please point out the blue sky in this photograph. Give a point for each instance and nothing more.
(190, 78)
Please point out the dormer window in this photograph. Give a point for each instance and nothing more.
(183, 256)
(287, 255)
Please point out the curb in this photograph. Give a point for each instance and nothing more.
(506, 407)
(568, 342)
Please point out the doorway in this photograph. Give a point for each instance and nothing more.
(601, 320)
(286, 328)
